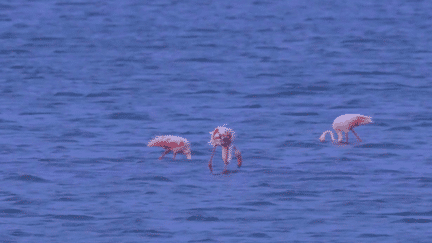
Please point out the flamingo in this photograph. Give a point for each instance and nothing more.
(223, 136)
(172, 143)
(346, 123)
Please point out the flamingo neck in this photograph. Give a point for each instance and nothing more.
(322, 138)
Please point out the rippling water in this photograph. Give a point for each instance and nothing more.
(85, 85)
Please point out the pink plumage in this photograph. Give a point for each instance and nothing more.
(172, 143)
(346, 123)
(224, 137)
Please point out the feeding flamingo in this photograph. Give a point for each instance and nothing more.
(172, 143)
(223, 136)
(346, 123)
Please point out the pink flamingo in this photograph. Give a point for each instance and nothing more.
(172, 143)
(346, 123)
(224, 137)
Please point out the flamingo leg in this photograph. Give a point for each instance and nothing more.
(164, 153)
(174, 155)
(352, 130)
(346, 137)
(225, 155)
(237, 154)
(211, 158)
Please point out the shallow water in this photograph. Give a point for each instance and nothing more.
(85, 86)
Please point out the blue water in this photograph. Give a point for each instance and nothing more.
(86, 84)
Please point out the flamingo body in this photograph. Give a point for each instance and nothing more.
(224, 137)
(346, 123)
(172, 143)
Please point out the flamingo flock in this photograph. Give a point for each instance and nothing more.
(224, 137)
